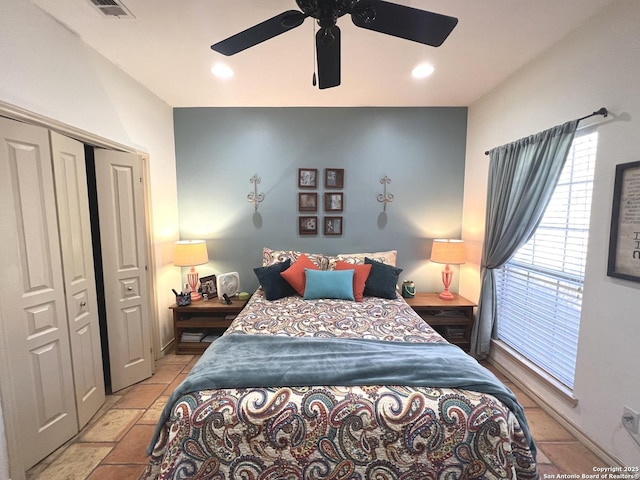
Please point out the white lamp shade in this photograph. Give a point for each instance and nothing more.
(447, 251)
(190, 252)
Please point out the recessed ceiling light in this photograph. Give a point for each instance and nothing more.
(423, 70)
(221, 70)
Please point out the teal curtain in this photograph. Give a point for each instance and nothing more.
(522, 178)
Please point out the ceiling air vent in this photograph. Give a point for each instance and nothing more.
(112, 8)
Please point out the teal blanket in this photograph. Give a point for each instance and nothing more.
(245, 361)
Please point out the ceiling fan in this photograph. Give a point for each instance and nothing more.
(384, 17)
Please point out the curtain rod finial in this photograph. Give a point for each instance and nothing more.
(603, 111)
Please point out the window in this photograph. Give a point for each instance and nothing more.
(540, 289)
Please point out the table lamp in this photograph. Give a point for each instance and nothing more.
(189, 253)
(450, 252)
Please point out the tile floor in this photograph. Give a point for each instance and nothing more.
(112, 446)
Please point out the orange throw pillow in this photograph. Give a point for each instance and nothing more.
(295, 273)
(359, 277)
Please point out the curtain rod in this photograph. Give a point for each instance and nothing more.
(603, 111)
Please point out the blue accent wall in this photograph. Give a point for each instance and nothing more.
(422, 151)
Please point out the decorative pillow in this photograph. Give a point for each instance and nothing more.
(382, 280)
(269, 257)
(295, 273)
(360, 275)
(273, 284)
(329, 284)
(388, 257)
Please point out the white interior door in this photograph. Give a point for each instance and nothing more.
(72, 199)
(124, 262)
(32, 301)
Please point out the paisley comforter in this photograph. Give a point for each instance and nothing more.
(339, 432)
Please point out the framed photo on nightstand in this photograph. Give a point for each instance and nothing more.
(208, 286)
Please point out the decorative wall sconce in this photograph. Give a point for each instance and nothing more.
(385, 197)
(255, 197)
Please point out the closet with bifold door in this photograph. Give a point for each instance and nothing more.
(48, 301)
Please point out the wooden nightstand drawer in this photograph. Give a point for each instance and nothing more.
(453, 319)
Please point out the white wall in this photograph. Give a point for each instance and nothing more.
(597, 65)
(49, 71)
(4, 460)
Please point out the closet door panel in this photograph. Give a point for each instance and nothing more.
(122, 234)
(32, 304)
(79, 277)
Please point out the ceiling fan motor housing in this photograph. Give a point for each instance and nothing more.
(326, 12)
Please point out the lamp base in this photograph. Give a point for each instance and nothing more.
(195, 296)
(192, 278)
(447, 276)
(446, 295)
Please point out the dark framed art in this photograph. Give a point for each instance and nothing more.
(208, 286)
(308, 178)
(308, 225)
(307, 202)
(624, 241)
(334, 178)
(334, 202)
(332, 225)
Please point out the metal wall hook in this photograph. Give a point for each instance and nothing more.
(255, 197)
(385, 197)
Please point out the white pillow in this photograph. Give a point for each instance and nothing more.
(388, 258)
(271, 257)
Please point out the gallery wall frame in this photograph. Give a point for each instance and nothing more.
(334, 202)
(333, 225)
(334, 178)
(307, 178)
(308, 225)
(624, 240)
(307, 202)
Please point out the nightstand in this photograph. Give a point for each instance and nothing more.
(453, 319)
(200, 321)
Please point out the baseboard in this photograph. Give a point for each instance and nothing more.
(524, 371)
(168, 348)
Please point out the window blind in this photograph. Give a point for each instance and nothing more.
(539, 290)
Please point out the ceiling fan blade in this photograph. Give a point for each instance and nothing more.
(404, 22)
(259, 33)
(328, 51)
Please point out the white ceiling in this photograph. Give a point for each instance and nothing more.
(166, 47)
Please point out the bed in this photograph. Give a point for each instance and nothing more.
(313, 386)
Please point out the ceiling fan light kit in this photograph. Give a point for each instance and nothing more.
(379, 16)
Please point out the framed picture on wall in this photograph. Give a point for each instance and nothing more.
(333, 202)
(332, 225)
(624, 241)
(308, 225)
(334, 178)
(307, 202)
(308, 178)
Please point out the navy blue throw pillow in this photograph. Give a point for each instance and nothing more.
(382, 280)
(273, 284)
